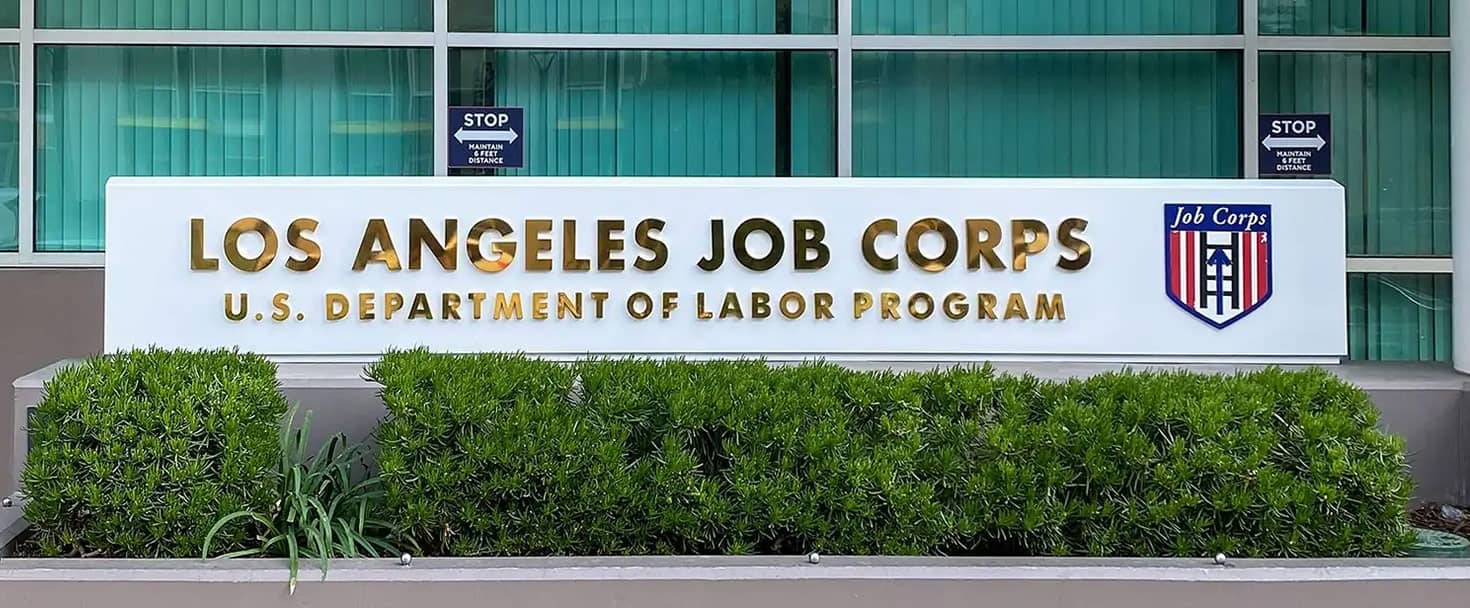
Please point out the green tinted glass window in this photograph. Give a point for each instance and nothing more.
(353, 15)
(644, 16)
(1086, 114)
(137, 110)
(1355, 17)
(993, 17)
(663, 113)
(9, 148)
(1399, 317)
(10, 13)
(1390, 117)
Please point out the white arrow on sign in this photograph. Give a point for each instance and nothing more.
(1295, 143)
(508, 135)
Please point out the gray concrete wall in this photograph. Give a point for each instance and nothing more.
(740, 583)
(46, 315)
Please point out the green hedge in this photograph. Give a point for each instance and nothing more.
(137, 454)
(504, 455)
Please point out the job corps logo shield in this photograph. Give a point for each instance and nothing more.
(1218, 260)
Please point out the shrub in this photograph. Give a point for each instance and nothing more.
(505, 455)
(138, 454)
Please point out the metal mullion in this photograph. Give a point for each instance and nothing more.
(710, 42)
(26, 113)
(441, 87)
(1250, 88)
(1385, 265)
(1048, 43)
(844, 49)
(51, 260)
(233, 38)
(1378, 44)
(9, 35)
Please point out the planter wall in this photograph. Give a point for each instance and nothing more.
(739, 583)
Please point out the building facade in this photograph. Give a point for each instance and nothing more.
(91, 89)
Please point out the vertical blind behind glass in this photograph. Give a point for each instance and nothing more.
(660, 113)
(1355, 17)
(1390, 117)
(336, 15)
(137, 110)
(1400, 317)
(1028, 17)
(1048, 114)
(644, 16)
(9, 148)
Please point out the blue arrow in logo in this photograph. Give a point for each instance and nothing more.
(1219, 260)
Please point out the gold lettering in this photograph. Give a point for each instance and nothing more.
(449, 306)
(244, 306)
(282, 307)
(567, 306)
(987, 306)
(716, 257)
(477, 300)
(504, 250)
(916, 254)
(569, 260)
(699, 310)
(742, 245)
(640, 305)
(508, 308)
(232, 244)
(983, 249)
(760, 305)
(956, 307)
(540, 305)
(376, 246)
(1067, 236)
(671, 303)
(197, 260)
(1024, 245)
(870, 245)
(822, 305)
(420, 307)
(809, 237)
(392, 303)
(916, 311)
(337, 306)
(297, 236)
(608, 246)
(537, 244)
(1016, 307)
(792, 304)
(365, 305)
(1050, 309)
(862, 302)
(647, 237)
(421, 237)
(888, 305)
(731, 309)
(598, 298)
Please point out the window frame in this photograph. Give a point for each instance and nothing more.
(843, 43)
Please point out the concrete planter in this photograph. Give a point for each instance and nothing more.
(1426, 405)
(681, 582)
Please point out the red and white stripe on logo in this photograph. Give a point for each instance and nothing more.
(1251, 268)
